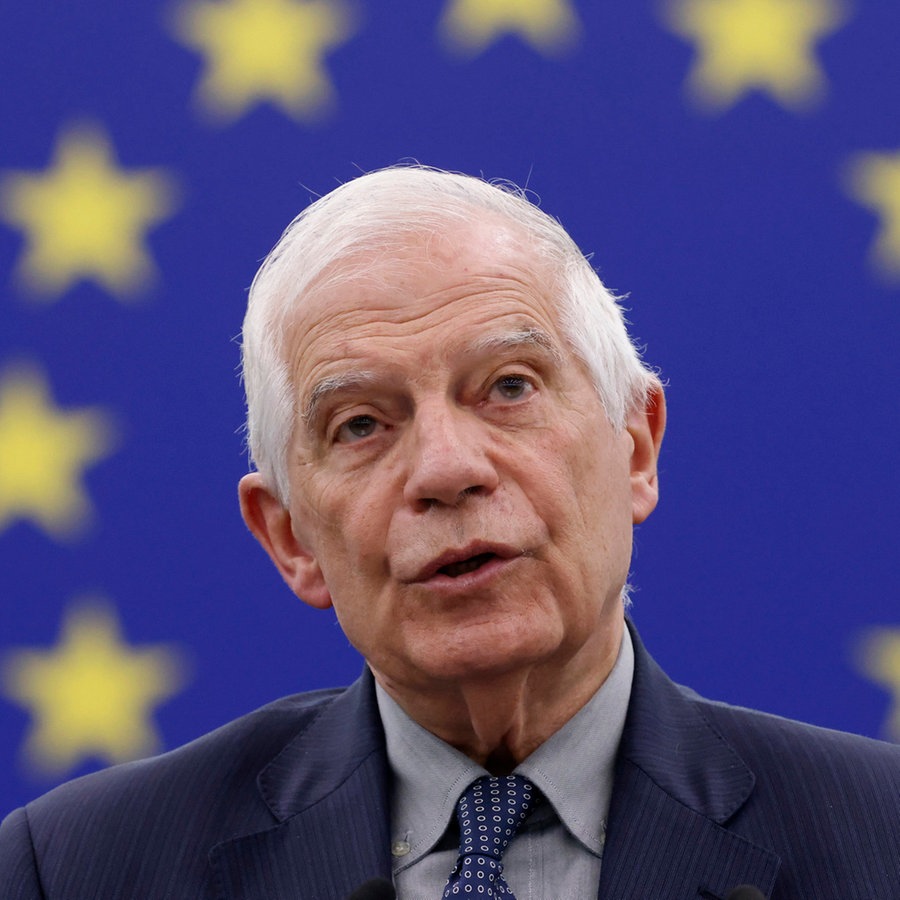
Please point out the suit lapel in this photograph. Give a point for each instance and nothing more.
(658, 848)
(676, 785)
(328, 791)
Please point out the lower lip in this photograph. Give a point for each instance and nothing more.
(469, 581)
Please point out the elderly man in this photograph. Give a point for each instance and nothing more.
(453, 436)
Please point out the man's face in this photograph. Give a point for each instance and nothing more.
(457, 492)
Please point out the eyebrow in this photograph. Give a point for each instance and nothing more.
(492, 343)
(513, 340)
(328, 387)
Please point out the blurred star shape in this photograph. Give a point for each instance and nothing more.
(878, 657)
(551, 26)
(264, 50)
(44, 452)
(874, 180)
(764, 45)
(91, 696)
(85, 218)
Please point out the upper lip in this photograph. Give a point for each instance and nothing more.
(477, 548)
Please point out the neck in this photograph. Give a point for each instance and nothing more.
(498, 720)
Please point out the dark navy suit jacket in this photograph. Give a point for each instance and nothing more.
(291, 801)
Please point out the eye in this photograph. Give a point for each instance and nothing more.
(513, 387)
(356, 429)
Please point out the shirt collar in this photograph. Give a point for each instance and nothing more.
(573, 768)
(429, 776)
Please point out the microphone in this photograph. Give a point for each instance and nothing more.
(382, 889)
(745, 892)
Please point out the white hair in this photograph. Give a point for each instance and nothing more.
(375, 213)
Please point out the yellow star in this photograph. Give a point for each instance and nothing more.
(43, 453)
(92, 695)
(878, 657)
(260, 50)
(85, 218)
(551, 26)
(874, 179)
(755, 44)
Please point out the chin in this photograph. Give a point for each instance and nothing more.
(486, 657)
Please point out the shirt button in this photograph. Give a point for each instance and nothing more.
(400, 848)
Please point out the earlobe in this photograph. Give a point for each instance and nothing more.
(271, 524)
(646, 425)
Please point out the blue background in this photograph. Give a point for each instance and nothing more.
(745, 260)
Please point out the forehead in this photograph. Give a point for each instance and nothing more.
(424, 289)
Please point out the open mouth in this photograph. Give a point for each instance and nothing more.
(464, 566)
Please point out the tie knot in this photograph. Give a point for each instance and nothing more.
(490, 812)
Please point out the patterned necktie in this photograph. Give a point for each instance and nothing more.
(489, 812)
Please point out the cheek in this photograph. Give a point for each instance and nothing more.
(587, 507)
(584, 474)
(326, 504)
(351, 525)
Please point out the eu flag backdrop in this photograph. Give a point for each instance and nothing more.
(732, 165)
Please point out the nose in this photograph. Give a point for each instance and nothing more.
(448, 458)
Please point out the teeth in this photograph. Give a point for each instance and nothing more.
(466, 565)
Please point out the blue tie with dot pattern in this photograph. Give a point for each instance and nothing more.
(490, 812)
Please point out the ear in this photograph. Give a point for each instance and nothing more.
(646, 425)
(272, 525)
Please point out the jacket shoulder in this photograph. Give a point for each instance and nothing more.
(824, 804)
(225, 760)
(172, 807)
(775, 743)
(827, 801)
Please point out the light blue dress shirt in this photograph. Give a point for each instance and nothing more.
(558, 851)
